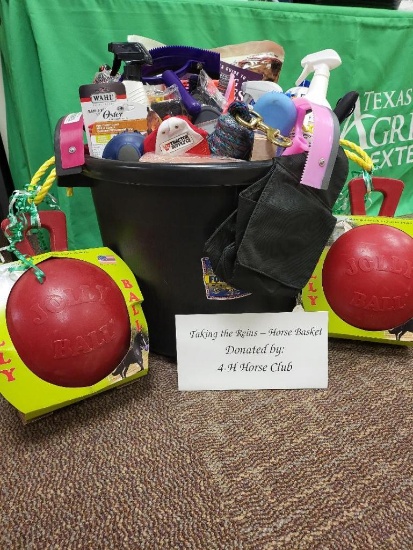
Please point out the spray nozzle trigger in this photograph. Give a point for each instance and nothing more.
(134, 54)
(319, 62)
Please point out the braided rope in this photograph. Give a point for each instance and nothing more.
(230, 139)
(360, 157)
(45, 187)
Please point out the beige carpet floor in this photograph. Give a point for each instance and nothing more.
(149, 467)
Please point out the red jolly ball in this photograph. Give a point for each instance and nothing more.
(73, 329)
(368, 277)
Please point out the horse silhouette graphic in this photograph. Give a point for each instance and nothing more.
(402, 329)
(134, 355)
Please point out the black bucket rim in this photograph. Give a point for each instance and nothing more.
(158, 174)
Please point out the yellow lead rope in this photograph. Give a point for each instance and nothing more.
(360, 157)
(45, 188)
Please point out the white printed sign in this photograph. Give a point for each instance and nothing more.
(252, 351)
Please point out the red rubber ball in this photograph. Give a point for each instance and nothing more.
(368, 277)
(73, 329)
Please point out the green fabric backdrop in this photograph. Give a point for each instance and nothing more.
(49, 48)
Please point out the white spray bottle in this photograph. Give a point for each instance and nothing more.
(320, 63)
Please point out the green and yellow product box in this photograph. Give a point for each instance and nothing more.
(314, 299)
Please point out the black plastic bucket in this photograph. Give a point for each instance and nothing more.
(157, 217)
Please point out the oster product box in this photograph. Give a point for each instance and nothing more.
(364, 279)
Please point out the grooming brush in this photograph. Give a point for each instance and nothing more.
(181, 60)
